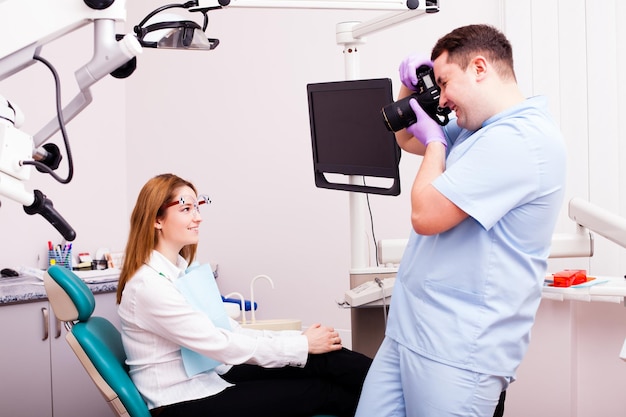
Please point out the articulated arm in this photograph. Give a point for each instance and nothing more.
(26, 26)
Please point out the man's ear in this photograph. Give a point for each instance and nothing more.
(479, 66)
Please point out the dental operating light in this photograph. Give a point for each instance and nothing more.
(176, 33)
(115, 55)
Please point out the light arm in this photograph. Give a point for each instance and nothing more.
(598, 220)
(329, 4)
(27, 27)
(109, 54)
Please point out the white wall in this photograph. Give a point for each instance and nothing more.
(234, 121)
(571, 51)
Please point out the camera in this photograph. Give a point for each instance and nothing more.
(399, 114)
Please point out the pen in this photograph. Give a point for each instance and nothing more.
(68, 254)
(58, 252)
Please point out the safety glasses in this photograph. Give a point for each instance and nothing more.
(190, 202)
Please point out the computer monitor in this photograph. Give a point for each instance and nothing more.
(349, 136)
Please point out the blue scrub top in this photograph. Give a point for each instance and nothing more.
(468, 297)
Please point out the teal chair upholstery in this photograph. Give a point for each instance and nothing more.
(95, 341)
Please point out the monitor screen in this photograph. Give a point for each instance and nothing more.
(349, 136)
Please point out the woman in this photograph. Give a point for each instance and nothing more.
(262, 373)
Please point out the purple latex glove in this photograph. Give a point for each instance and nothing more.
(408, 69)
(426, 130)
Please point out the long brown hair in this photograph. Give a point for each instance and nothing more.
(142, 237)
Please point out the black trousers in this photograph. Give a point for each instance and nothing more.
(500, 407)
(329, 384)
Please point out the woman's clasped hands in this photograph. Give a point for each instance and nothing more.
(322, 339)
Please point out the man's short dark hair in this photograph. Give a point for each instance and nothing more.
(465, 42)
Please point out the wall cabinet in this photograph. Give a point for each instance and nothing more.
(40, 375)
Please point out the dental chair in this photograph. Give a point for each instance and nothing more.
(95, 341)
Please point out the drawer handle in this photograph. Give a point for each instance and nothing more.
(44, 312)
(58, 328)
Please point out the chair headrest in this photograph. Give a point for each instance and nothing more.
(69, 296)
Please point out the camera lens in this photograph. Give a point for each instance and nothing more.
(399, 114)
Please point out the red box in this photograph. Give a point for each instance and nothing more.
(569, 277)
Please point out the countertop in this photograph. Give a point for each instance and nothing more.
(602, 288)
(24, 289)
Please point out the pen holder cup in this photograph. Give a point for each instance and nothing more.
(62, 258)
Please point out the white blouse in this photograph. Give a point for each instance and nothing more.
(157, 321)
